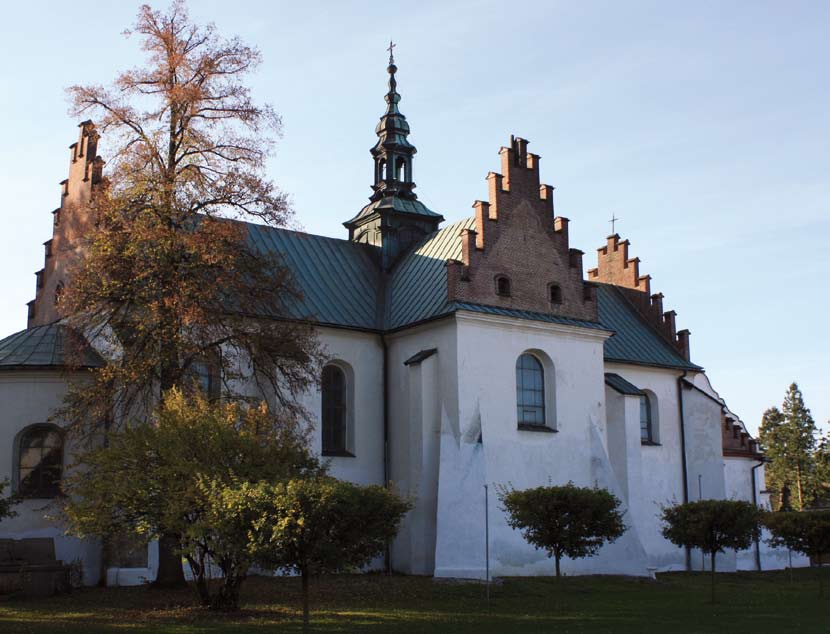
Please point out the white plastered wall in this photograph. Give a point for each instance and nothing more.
(29, 398)
(488, 348)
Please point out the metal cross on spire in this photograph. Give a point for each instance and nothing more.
(392, 45)
(613, 222)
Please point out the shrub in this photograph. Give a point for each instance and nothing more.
(807, 532)
(564, 520)
(712, 526)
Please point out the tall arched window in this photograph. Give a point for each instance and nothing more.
(334, 410)
(40, 462)
(646, 422)
(530, 391)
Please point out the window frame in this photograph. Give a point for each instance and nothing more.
(522, 407)
(346, 406)
(41, 491)
(502, 279)
(652, 437)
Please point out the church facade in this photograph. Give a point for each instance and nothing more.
(463, 356)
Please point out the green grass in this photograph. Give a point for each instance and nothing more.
(753, 603)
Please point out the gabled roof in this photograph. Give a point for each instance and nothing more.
(342, 286)
(339, 279)
(46, 347)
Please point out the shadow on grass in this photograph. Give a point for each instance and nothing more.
(750, 602)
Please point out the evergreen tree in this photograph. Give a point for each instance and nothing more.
(788, 437)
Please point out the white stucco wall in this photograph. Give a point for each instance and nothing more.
(29, 398)
(362, 353)
(488, 348)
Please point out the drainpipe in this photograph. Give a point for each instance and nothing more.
(755, 504)
(386, 481)
(683, 454)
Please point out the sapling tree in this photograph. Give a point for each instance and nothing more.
(807, 532)
(318, 525)
(712, 526)
(565, 521)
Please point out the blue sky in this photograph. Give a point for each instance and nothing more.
(704, 126)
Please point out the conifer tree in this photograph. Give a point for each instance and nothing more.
(788, 437)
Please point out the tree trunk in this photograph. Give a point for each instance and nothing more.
(197, 569)
(800, 489)
(558, 572)
(170, 573)
(713, 555)
(304, 575)
(820, 579)
(227, 598)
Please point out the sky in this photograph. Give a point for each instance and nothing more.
(703, 126)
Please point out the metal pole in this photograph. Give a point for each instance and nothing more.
(700, 497)
(487, 542)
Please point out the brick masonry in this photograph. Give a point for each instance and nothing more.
(71, 222)
(615, 267)
(518, 237)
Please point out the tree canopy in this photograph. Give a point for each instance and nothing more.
(788, 438)
(712, 526)
(166, 477)
(318, 525)
(564, 520)
(170, 287)
(806, 532)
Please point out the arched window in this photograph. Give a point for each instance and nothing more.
(334, 415)
(555, 293)
(401, 175)
(40, 462)
(58, 293)
(503, 285)
(646, 420)
(530, 391)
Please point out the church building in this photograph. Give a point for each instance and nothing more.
(462, 356)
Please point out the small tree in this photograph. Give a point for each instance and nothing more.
(319, 525)
(807, 532)
(6, 503)
(712, 526)
(564, 520)
(162, 478)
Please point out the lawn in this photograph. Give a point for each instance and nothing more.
(753, 603)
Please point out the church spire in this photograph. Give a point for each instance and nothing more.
(393, 152)
(394, 218)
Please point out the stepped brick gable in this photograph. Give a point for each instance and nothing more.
(71, 223)
(615, 267)
(518, 239)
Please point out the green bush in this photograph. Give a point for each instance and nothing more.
(564, 520)
(712, 526)
(807, 532)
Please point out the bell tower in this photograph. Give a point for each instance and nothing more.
(394, 219)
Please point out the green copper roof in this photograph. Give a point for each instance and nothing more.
(616, 382)
(46, 347)
(634, 341)
(339, 279)
(395, 204)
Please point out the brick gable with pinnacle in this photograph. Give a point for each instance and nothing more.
(615, 267)
(516, 236)
(72, 223)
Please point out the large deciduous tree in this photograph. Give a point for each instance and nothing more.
(170, 284)
(567, 520)
(788, 437)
